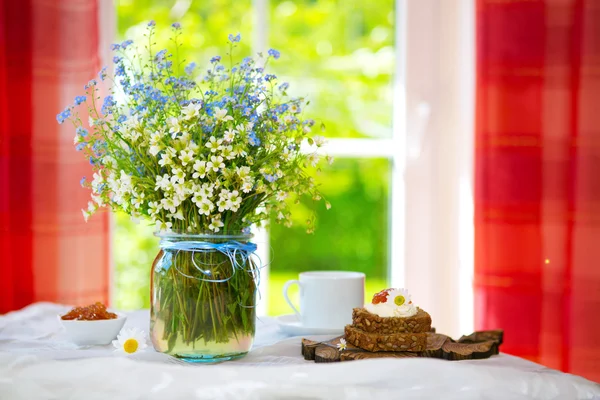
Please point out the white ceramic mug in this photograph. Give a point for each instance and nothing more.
(327, 297)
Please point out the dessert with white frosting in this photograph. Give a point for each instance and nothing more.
(391, 322)
(392, 303)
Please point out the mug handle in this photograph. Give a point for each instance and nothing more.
(286, 287)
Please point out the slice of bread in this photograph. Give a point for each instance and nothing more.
(379, 342)
(367, 322)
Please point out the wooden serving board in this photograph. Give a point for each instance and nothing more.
(477, 345)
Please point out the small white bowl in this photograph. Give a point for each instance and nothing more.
(98, 332)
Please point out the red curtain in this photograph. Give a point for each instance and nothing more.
(48, 51)
(537, 179)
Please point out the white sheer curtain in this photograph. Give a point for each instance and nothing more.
(439, 162)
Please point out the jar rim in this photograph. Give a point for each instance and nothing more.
(196, 235)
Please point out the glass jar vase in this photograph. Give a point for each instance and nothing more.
(203, 290)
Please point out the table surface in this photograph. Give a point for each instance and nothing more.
(34, 348)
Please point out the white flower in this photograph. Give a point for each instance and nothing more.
(234, 200)
(97, 181)
(184, 138)
(214, 144)
(228, 136)
(168, 204)
(288, 119)
(280, 216)
(130, 341)
(91, 121)
(313, 159)
(306, 129)
(193, 146)
(206, 190)
(228, 153)
(398, 297)
(191, 110)
(242, 171)
(186, 157)
(154, 150)
(327, 205)
(216, 224)
(163, 183)
(281, 196)
(98, 200)
(178, 215)
(165, 159)
(223, 204)
(134, 134)
(287, 155)
(180, 193)
(86, 214)
(205, 207)
(240, 151)
(138, 199)
(153, 208)
(200, 168)
(342, 345)
(221, 115)
(294, 108)
(241, 128)
(215, 163)
(163, 226)
(319, 141)
(178, 176)
(247, 187)
(155, 138)
(174, 127)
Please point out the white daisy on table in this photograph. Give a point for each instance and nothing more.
(342, 345)
(130, 341)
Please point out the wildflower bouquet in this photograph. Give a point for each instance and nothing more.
(215, 156)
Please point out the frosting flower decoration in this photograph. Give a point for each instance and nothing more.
(392, 303)
(130, 341)
(342, 345)
(398, 297)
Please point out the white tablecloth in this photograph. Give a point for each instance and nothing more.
(37, 362)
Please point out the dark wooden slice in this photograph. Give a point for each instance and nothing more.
(469, 351)
(308, 348)
(326, 354)
(483, 336)
(329, 352)
(435, 343)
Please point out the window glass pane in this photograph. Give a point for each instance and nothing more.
(351, 236)
(206, 25)
(340, 55)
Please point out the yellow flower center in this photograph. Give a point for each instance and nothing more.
(130, 346)
(399, 300)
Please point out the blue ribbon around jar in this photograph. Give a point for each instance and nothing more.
(231, 249)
